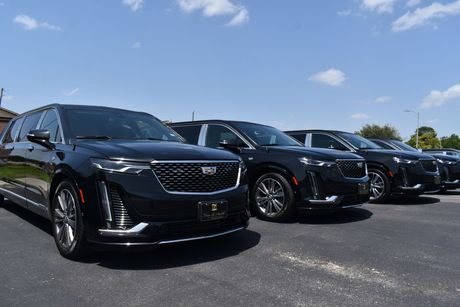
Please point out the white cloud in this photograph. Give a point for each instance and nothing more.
(211, 8)
(437, 98)
(137, 45)
(344, 13)
(72, 92)
(411, 3)
(424, 15)
(382, 99)
(30, 23)
(332, 77)
(134, 5)
(379, 6)
(359, 116)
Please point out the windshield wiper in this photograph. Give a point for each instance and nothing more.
(159, 139)
(93, 137)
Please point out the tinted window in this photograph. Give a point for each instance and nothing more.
(358, 141)
(117, 124)
(299, 137)
(30, 123)
(266, 135)
(190, 133)
(50, 123)
(325, 141)
(382, 144)
(217, 134)
(403, 146)
(12, 131)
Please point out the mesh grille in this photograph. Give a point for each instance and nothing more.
(352, 168)
(121, 216)
(190, 177)
(429, 165)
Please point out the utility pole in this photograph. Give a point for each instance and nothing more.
(418, 126)
(1, 96)
(193, 116)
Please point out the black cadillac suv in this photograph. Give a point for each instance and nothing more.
(448, 165)
(391, 172)
(115, 177)
(283, 175)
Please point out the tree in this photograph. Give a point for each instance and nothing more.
(452, 141)
(380, 132)
(428, 138)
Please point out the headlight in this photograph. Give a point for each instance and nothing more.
(445, 161)
(119, 166)
(404, 161)
(313, 162)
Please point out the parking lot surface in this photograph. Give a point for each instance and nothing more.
(402, 254)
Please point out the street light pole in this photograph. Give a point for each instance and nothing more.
(418, 126)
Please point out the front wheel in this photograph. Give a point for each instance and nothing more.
(379, 186)
(67, 222)
(273, 198)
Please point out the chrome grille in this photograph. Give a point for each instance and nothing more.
(429, 165)
(196, 177)
(352, 168)
(121, 216)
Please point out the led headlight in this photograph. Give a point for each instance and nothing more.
(404, 161)
(445, 161)
(313, 162)
(118, 166)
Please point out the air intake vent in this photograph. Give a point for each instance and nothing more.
(197, 177)
(121, 216)
(352, 168)
(429, 165)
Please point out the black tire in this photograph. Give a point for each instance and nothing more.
(274, 207)
(66, 218)
(379, 195)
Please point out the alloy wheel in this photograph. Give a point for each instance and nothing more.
(270, 197)
(65, 221)
(377, 185)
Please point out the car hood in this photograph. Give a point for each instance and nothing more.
(315, 153)
(147, 151)
(398, 153)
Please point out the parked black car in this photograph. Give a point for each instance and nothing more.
(115, 177)
(448, 165)
(444, 151)
(284, 176)
(391, 172)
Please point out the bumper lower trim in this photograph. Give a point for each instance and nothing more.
(134, 231)
(331, 200)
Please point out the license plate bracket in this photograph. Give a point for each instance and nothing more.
(212, 210)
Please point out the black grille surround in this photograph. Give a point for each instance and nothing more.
(120, 214)
(429, 165)
(352, 168)
(197, 177)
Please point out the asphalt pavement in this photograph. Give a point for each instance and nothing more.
(406, 253)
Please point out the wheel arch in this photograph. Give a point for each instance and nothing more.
(61, 173)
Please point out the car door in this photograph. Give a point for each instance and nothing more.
(12, 159)
(41, 162)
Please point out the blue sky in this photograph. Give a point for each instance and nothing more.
(334, 64)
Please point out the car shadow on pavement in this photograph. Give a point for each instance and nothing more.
(412, 201)
(450, 193)
(30, 217)
(338, 217)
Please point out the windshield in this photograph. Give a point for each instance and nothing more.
(358, 141)
(117, 124)
(403, 146)
(267, 136)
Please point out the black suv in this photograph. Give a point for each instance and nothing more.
(117, 177)
(449, 165)
(283, 175)
(391, 172)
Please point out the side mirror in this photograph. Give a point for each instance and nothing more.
(231, 145)
(41, 137)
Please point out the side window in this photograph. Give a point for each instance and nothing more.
(189, 133)
(30, 123)
(325, 141)
(299, 137)
(12, 131)
(50, 122)
(217, 134)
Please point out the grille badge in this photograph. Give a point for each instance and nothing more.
(360, 164)
(209, 170)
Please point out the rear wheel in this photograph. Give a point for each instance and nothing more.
(379, 185)
(67, 222)
(273, 198)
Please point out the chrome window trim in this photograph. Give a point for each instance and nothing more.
(59, 123)
(238, 180)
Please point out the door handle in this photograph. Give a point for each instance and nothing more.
(30, 147)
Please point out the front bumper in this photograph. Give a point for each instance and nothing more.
(414, 180)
